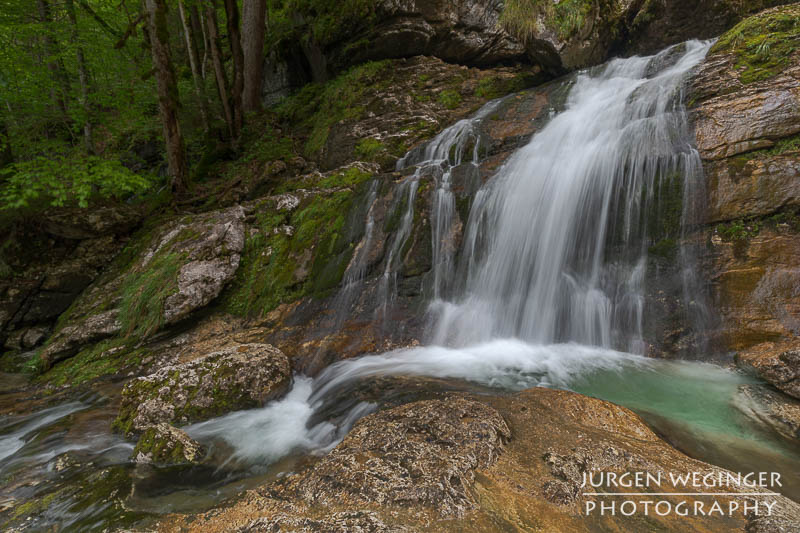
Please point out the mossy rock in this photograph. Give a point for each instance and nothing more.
(239, 377)
(763, 44)
(162, 276)
(300, 248)
(164, 444)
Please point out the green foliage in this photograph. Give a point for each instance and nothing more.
(316, 107)
(144, 294)
(60, 181)
(567, 17)
(762, 44)
(450, 98)
(319, 21)
(739, 230)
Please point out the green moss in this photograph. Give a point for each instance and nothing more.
(450, 98)
(567, 17)
(368, 149)
(665, 248)
(278, 267)
(763, 44)
(351, 177)
(665, 208)
(495, 86)
(144, 293)
(739, 230)
(104, 358)
(318, 107)
(161, 450)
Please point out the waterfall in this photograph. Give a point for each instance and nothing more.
(553, 266)
(556, 243)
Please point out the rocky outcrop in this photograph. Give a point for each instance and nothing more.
(418, 455)
(659, 23)
(239, 377)
(777, 364)
(465, 32)
(467, 475)
(745, 107)
(773, 408)
(45, 265)
(557, 36)
(163, 444)
(172, 271)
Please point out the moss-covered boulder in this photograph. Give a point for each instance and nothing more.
(164, 444)
(162, 276)
(238, 377)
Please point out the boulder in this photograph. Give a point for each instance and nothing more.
(238, 377)
(775, 409)
(160, 279)
(778, 365)
(163, 444)
(465, 32)
(421, 454)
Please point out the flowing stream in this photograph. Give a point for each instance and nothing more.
(548, 290)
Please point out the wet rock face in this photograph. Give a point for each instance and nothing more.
(665, 22)
(238, 377)
(174, 271)
(775, 409)
(745, 107)
(421, 454)
(164, 444)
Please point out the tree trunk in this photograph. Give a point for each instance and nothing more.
(219, 67)
(206, 41)
(198, 34)
(254, 14)
(83, 77)
(194, 59)
(54, 63)
(235, 39)
(168, 99)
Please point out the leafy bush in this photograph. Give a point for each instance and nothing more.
(64, 181)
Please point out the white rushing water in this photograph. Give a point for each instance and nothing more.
(543, 225)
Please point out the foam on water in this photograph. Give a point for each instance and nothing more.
(262, 436)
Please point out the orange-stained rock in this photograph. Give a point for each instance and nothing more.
(410, 467)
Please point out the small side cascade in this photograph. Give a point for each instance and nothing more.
(459, 146)
(357, 269)
(387, 290)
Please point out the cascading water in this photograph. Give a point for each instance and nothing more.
(553, 260)
(457, 146)
(538, 267)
